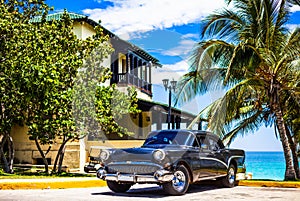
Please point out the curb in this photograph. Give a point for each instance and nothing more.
(278, 184)
(15, 184)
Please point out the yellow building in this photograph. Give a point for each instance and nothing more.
(131, 66)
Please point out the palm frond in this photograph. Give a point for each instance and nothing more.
(250, 52)
(223, 24)
(243, 127)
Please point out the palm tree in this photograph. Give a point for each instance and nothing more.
(250, 54)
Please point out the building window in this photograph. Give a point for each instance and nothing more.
(122, 63)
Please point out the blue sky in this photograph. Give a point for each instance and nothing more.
(168, 30)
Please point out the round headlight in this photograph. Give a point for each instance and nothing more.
(104, 155)
(159, 155)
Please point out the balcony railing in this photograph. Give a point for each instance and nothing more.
(126, 78)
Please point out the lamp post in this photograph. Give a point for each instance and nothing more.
(170, 87)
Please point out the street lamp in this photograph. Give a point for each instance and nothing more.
(170, 87)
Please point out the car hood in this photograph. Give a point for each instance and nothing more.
(141, 153)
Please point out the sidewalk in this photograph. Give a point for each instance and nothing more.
(88, 182)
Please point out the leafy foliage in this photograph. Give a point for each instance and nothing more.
(249, 50)
(112, 105)
(49, 79)
(15, 30)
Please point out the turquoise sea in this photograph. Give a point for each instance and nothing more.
(265, 165)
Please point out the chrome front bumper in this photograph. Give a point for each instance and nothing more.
(160, 176)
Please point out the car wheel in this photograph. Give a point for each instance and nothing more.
(118, 188)
(229, 180)
(180, 183)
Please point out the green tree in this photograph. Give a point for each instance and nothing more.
(56, 55)
(51, 81)
(112, 105)
(14, 28)
(39, 63)
(248, 52)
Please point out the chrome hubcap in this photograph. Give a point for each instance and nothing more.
(179, 181)
(231, 175)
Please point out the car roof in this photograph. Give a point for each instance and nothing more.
(194, 132)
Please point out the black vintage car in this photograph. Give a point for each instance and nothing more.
(173, 159)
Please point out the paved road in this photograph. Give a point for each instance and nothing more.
(150, 192)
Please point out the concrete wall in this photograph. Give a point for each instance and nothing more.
(26, 151)
(83, 30)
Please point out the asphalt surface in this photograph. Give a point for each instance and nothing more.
(150, 192)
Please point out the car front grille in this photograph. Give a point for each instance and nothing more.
(133, 168)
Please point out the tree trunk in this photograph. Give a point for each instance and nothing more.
(293, 146)
(42, 154)
(290, 173)
(11, 154)
(59, 157)
(2, 154)
(7, 160)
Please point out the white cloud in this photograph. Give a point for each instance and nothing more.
(170, 71)
(190, 36)
(291, 27)
(183, 49)
(181, 67)
(295, 8)
(130, 16)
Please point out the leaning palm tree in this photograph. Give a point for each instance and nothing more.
(248, 52)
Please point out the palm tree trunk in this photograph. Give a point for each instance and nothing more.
(290, 173)
(293, 146)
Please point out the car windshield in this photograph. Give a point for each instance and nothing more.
(167, 138)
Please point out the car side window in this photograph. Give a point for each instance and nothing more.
(203, 142)
(213, 145)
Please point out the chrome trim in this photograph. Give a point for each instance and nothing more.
(211, 177)
(133, 167)
(237, 156)
(215, 159)
(158, 177)
(134, 163)
(163, 153)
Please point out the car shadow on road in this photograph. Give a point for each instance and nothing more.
(157, 191)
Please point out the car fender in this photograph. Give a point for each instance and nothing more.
(186, 164)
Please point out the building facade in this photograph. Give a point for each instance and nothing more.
(130, 66)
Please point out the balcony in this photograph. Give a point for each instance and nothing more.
(131, 79)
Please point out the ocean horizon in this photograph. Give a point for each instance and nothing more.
(265, 165)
